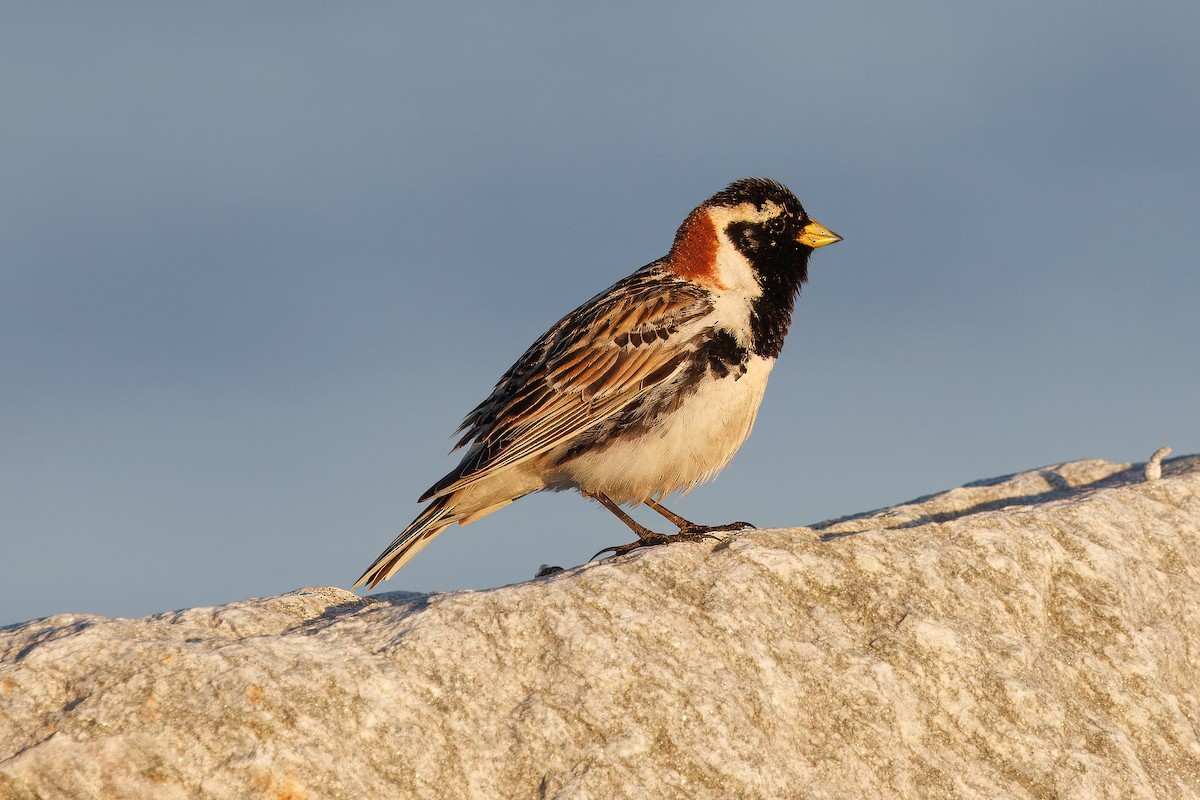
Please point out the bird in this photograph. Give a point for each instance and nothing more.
(646, 389)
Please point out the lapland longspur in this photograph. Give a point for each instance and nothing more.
(649, 387)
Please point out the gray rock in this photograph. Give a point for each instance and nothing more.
(1027, 637)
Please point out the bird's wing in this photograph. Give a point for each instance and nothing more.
(594, 362)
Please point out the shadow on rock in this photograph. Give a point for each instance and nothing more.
(409, 603)
(1060, 488)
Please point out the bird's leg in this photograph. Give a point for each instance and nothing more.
(686, 527)
(646, 537)
(643, 533)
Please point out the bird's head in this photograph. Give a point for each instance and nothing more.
(754, 233)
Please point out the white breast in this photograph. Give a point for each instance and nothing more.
(687, 447)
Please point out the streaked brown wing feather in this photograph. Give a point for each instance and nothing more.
(586, 368)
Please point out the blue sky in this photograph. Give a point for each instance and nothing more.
(256, 263)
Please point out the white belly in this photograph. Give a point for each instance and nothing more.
(687, 447)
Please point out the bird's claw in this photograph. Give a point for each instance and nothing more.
(652, 539)
(731, 526)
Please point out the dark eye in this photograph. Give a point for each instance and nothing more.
(775, 225)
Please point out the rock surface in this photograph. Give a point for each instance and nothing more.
(1028, 637)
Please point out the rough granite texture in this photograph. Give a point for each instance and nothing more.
(1035, 636)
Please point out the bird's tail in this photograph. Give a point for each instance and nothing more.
(420, 532)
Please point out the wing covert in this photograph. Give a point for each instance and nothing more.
(587, 367)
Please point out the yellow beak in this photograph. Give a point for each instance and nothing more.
(814, 234)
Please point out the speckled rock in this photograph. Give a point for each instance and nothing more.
(1033, 636)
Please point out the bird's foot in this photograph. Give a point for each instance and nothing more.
(651, 539)
(691, 528)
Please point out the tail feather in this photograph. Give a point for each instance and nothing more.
(420, 532)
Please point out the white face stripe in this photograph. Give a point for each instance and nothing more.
(746, 212)
(732, 269)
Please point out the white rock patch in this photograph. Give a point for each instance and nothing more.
(1032, 636)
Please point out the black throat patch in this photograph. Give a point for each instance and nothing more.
(781, 265)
